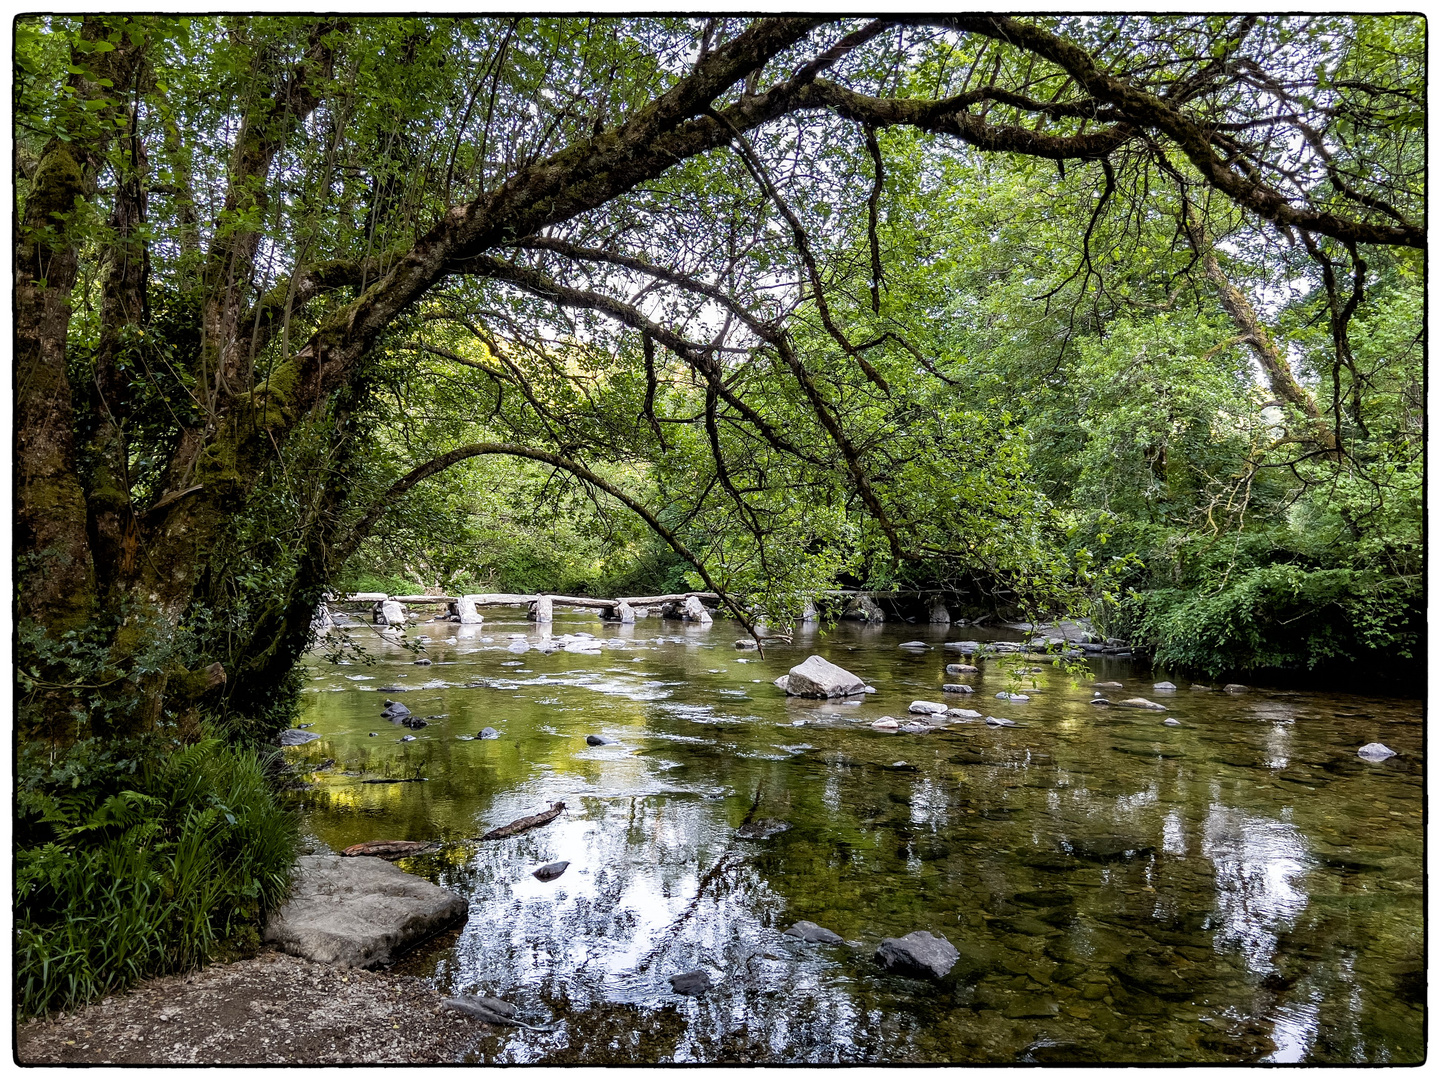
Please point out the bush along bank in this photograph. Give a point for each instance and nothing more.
(138, 859)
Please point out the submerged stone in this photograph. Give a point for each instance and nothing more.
(550, 871)
(812, 934)
(691, 983)
(1375, 752)
(296, 737)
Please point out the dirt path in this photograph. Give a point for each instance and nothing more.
(270, 1009)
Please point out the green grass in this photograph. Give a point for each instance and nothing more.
(132, 863)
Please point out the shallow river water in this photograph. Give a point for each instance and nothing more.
(1240, 888)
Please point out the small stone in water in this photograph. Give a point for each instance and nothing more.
(957, 688)
(1375, 752)
(869, 690)
(691, 983)
(1098, 700)
(1005, 695)
(1170, 721)
(913, 645)
(1235, 688)
(964, 714)
(999, 721)
(1164, 686)
(812, 934)
(886, 723)
(598, 740)
(407, 738)
(424, 661)
(550, 871)
(488, 733)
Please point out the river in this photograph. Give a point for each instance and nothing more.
(1241, 887)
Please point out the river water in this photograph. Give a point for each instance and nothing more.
(1239, 888)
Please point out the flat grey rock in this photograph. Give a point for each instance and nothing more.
(812, 934)
(296, 737)
(1375, 751)
(913, 645)
(957, 688)
(999, 721)
(1164, 686)
(1006, 695)
(818, 678)
(919, 954)
(1138, 703)
(1170, 721)
(691, 983)
(550, 871)
(359, 912)
(928, 708)
(960, 669)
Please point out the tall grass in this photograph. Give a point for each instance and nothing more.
(132, 862)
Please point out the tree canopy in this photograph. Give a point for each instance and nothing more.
(983, 299)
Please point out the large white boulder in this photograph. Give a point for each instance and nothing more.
(469, 613)
(819, 678)
(695, 611)
(393, 612)
(544, 610)
(624, 612)
(359, 912)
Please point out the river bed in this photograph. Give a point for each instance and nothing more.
(1241, 887)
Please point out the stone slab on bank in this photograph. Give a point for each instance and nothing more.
(359, 912)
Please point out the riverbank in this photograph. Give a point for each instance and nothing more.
(270, 1009)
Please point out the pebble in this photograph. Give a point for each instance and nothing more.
(488, 733)
(598, 740)
(407, 738)
(1375, 752)
(691, 983)
(999, 721)
(1170, 721)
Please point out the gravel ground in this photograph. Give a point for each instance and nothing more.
(270, 1009)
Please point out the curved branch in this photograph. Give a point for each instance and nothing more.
(1146, 110)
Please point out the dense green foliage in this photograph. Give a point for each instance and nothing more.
(135, 860)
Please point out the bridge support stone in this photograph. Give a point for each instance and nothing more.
(469, 614)
(544, 610)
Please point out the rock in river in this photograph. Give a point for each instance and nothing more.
(762, 829)
(488, 733)
(550, 871)
(1138, 703)
(358, 912)
(1164, 686)
(1375, 751)
(957, 688)
(599, 740)
(919, 954)
(691, 983)
(960, 669)
(928, 708)
(818, 678)
(811, 934)
(296, 737)
(1007, 695)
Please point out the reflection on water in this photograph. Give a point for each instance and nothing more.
(1239, 888)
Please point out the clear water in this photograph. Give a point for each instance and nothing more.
(1241, 888)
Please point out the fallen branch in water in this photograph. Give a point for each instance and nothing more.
(388, 849)
(521, 824)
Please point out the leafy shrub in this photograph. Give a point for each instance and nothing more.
(132, 862)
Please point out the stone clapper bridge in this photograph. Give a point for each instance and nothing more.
(388, 610)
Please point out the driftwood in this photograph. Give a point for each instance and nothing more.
(398, 780)
(387, 849)
(521, 824)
